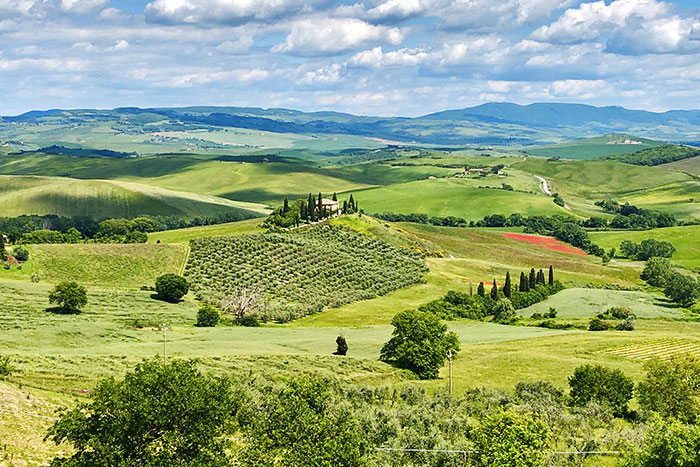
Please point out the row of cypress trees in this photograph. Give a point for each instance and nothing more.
(527, 282)
(312, 209)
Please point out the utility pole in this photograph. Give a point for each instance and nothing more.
(164, 328)
(449, 359)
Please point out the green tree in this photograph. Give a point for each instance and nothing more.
(672, 388)
(524, 285)
(341, 345)
(540, 277)
(159, 415)
(207, 317)
(299, 425)
(670, 443)
(285, 206)
(20, 253)
(551, 275)
(682, 289)
(532, 282)
(69, 297)
(3, 253)
(503, 312)
(656, 271)
(419, 343)
(596, 383)
(335, 196)
(507, 285)
(510, 439)
(481, 290)
(494, 291)
(171, 287)
(72, 235)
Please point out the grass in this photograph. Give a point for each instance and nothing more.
(686, 165)
(115, 265)
(249, 226)
(590, 148)
(684, 238)
(100, 198)
(455, 197)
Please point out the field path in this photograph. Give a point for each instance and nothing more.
(545, 188)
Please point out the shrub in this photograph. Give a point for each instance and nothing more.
(682, 289)
(69, 297)
(672, 388)
(510, 439)
(597, 324)
(207, 317)
(342, 345)
(21, 253)
(6, 367)
(171, 287)
(669, 444)
(503, 312)
(626, 325)
(419, 343)
(249, 321)
(596, 383)
(35, 277)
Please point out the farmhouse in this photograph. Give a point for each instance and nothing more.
(330, 205)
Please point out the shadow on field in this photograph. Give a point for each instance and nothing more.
(58, 310)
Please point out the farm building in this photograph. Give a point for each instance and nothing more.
(330, 205)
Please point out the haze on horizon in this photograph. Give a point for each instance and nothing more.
(372, 57)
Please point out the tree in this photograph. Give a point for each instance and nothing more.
(285, 206)
(20, 253)
(158, 415)
(69, 297)
(481, 290)
(302, 211)
(335, 196)
(532, 282)
(672, 388)
(540, 277)
(656, 270)
(207, 317)
(243, 302)
(670, 443)
(503, 312)
(3, 253)
(507, 285)
(351, 204)
(419, 343)
(524, 285)
(494, 291)
(551, 275)
(171, 287)
(681, 289)
(341, 345)
(300, 424)
(510, 439)
(596, 383)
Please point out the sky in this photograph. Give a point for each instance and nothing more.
(367, 57)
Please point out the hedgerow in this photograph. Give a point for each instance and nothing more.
(302, 271)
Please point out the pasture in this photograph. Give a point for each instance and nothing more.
(591, 148)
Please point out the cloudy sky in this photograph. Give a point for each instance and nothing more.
(379, 57)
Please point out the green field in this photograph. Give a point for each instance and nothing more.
(249, 226)
(685, 239)
(591, 148)
(686, 165)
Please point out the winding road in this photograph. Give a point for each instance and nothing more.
(545, 185)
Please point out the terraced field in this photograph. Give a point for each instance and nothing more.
(663, 349)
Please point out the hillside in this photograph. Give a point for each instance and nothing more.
(658, 155)
(101, 198)
(590, 148)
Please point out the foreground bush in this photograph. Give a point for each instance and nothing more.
(420, 343)
(158, 415)
(207, 317)
(171, 287)
(668, 444)
(672, 388)
(510, 439)
(69, 297)
(596, 383)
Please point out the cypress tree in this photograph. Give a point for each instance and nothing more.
(302, 210)
(494, 291)
(551, 275)
(523, 283)
(480, 291)
(285, 206)
(506, 285)
(533, 279)
(320, 202)
(471, 289)
(3, 253)
(540, 277)
(335, 196)
(351, 204)
(345, 207)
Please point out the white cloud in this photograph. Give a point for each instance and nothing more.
(203, 78)
(327, 36)
(376, 58)
(224, 11)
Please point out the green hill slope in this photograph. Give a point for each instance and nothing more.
(591, 148)
(102, 198)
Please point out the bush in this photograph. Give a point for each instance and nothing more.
(503, 312)
(249, 321)
(597, 324)
(419, 343)
(69, 297)
(6, 367)
(207, 317)
(596, 383)
(21, 254)
(672, 388)
(171, 287)
(669, 444)
(626, 325)
(510, 439)
(342, 345)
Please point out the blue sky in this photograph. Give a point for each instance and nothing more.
(375, 57)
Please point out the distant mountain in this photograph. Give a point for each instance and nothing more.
(487, 124)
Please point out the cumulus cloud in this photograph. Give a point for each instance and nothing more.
(224, 11)
(327, 36)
